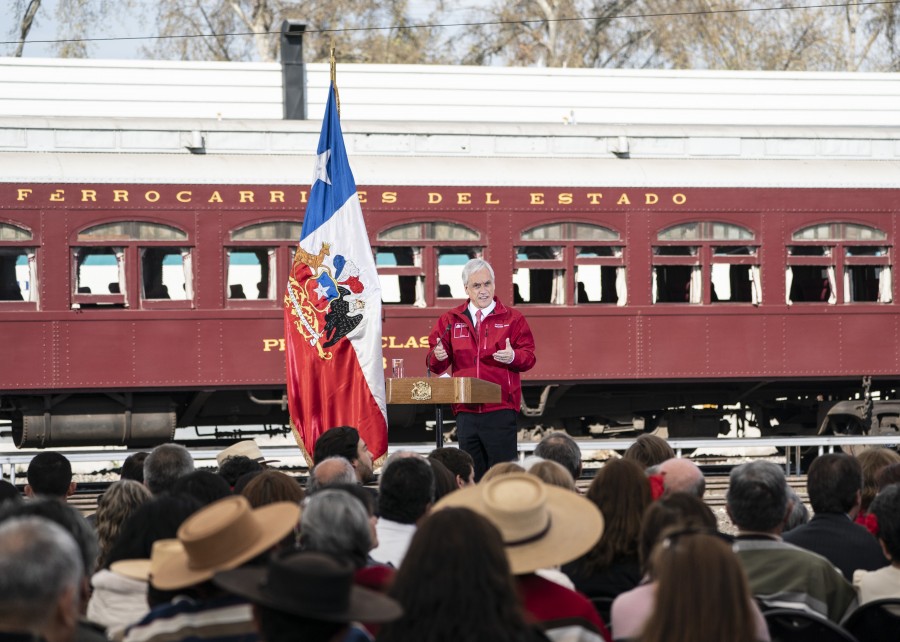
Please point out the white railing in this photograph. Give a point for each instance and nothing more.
(14, 462)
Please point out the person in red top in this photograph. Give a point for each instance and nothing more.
(483, 338)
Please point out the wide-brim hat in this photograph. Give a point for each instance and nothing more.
(222, 536)
(246, 448)
(312, 585)
(541, 525)
(143, 569)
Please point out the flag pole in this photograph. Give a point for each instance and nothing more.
(337, 98)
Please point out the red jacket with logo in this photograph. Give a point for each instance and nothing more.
(473, 356)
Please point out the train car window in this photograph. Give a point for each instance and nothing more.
(838, 261)
(839, 232)
(250, 272)
(132, 231)
(450, 264)
(600, 275)
(401, 275)
(867, 274)
(734, 275)
(99, 276)
(706, 262)
(421, 262)
(677, 274)
(270, 231)
(539, 275)
(166, 273)
(18, 274)
(569, 261)
(429, 232)
(9, 232)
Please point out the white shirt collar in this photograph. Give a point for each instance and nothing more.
(484, 311)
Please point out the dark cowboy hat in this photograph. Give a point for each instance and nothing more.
(311, 585)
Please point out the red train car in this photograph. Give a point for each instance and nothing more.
(684, 244)
(127, 309)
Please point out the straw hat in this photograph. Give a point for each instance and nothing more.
(142, 569)
(246, 448)
(223, 536)
(541, 525)
(311, 585)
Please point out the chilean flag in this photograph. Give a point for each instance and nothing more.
(332, 308)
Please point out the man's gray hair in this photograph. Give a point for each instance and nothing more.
(334, 521)
(165, 465)
(331, 471)
(757, 496)
(560, 447)
(39, 561)
(473, 266)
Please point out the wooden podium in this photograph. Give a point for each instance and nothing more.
(440, 390)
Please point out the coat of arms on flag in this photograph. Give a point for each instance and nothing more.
(332, 308)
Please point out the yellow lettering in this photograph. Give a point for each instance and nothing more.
(594, 198)
(276, 196)
(268, 344)
(389, 197)
(120, 195)
(650, 199)
(565, 198)
(89, 195)
(488, 200)
(463, 198)
(303, 195)
(246, 196)
(423, 341)
(24, 193)
(412, 342)
(384, 363)
(392, 343)
(384, 342)
(152, 196)
(58, 196)
(281, 345)
(679, 199)
(215, 198)
(362, 196)
(434, 198)
(623, 200)
(183, 197)
(537, 198)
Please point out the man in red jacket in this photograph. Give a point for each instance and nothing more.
(487, 340)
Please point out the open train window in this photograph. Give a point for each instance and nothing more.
(706, 262)
(838, 261)
(569, 262)
(18, 267)
(162, 276)
(257, 260)
(421, 263)
(250, 271)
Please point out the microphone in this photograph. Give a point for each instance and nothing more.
(431, 352)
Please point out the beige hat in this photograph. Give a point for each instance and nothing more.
(143, 569)
(541, 525)
(222, 536)
(246, 448)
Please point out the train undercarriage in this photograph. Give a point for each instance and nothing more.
(602, 410)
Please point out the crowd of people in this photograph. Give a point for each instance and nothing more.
(423, 552)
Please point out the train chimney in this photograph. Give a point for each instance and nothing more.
(293, 70)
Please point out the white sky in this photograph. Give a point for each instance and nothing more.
(124, 26)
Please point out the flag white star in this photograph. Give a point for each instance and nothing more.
(322, 291)
(321, 171)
